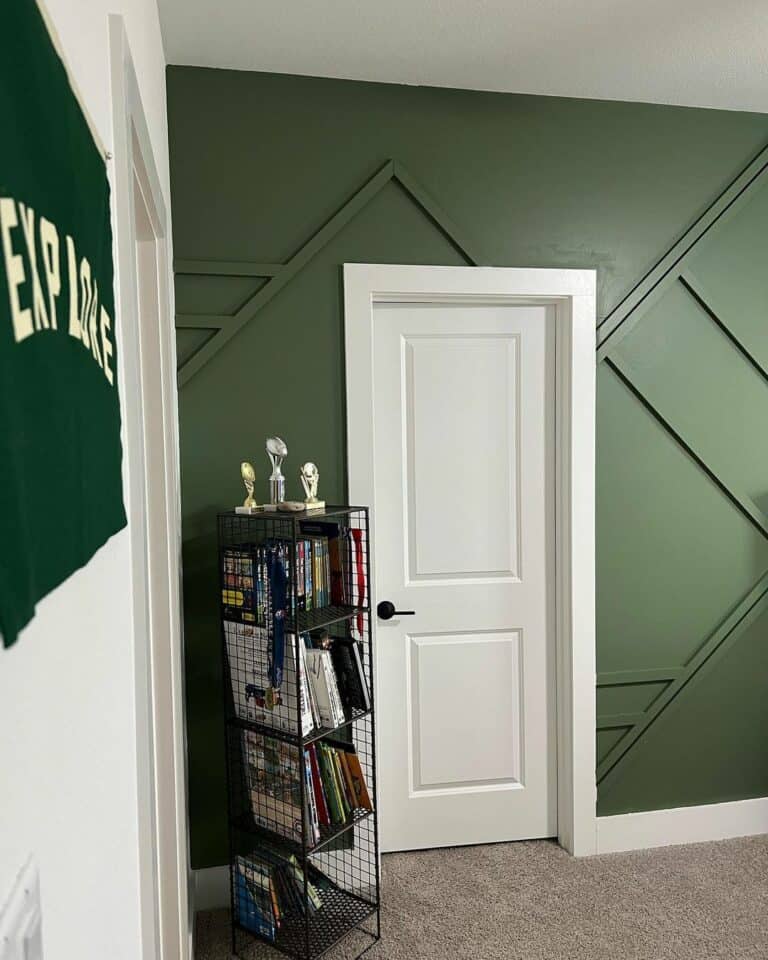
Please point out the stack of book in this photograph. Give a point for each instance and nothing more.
(334, 785)
(329, 569)
(332, 682)
(269, 889)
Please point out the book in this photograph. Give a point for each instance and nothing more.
(269, 886)
(317, 785)
(337, 706)
(359, 787)
(254, 697)
(331, 788)
(350, 676)
(322, 680)
(272, 772)
(238, 594)
(346, 805)
(254, 905)
(310, 801)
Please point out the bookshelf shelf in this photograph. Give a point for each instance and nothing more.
(299, 732)
(324, 617)
(317, 733)
(335, 921)
(327, 833)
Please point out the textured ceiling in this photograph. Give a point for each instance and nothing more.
(710, 53)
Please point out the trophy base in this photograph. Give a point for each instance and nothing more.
(249, 510)
(315, 505)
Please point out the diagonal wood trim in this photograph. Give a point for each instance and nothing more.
(626, 313)
(435, 212)
(391, 170)
(225, 268)
(253, 304)
(752, 605)
(201, 321)
(610, 721)
(697, 290)
(745, 504)
(627, 678)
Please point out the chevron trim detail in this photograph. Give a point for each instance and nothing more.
(280, 275)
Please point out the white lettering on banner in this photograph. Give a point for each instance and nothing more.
(85, 302)
(49, 241)
(14, 271)
(38, 301)
(74, 316)
(89, 321)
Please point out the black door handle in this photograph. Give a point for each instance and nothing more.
(385, 610)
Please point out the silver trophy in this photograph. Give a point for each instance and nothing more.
(310, 476)
(276, 451)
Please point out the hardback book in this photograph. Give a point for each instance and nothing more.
(332, 794)
(255, 898)
(317, 786)
(358, 785)
(254, 698)
(272, 771)
(350, 676)
(323, 684)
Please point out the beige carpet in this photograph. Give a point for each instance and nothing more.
(531, 901)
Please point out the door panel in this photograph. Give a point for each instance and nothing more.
(463, 451)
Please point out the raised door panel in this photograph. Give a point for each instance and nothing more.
(462, 459)
(466, 704)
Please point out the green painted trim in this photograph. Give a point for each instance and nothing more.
(742, 502)
(435, 213)
(625, 315)
(627, 678)
(225, 268)
(201, 321)
(253, 304)
(392, 170)
(609, 721)
(752, 605)
(697, 290)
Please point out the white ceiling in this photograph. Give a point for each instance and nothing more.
(710, 53)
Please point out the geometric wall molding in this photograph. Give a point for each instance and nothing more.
(750, 607)
(278, 275)
(740, 500)
(628, 312)
(673, 267)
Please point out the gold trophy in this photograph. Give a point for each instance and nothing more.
(248, 475)
(310, 477)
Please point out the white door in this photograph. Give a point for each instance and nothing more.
(462, 424)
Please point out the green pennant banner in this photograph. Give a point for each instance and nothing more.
(60, 452)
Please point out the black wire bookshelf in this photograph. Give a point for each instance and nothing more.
(301, 772)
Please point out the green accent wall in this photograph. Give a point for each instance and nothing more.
(279, 180)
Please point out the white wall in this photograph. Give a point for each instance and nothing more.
(68, 789)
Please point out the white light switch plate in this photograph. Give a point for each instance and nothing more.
(20, 918)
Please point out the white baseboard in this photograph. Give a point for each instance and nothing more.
(211, 888)
(662, 828)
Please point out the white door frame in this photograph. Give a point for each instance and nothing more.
(572, 294)
(133, 167)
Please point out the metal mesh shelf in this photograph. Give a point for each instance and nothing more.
(304, 864)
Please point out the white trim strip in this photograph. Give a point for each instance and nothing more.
(663, 828)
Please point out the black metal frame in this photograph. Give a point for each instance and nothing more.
(345, 856)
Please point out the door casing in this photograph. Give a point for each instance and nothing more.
(143, 283)
(572, 294)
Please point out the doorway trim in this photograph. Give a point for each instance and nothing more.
(572, 294)
(134, 177)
